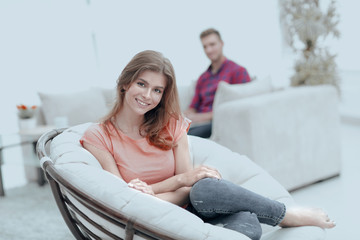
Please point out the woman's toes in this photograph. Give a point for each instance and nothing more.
(330, 224)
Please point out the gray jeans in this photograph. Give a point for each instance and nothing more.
(223, 203)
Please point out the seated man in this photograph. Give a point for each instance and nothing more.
(220, 69)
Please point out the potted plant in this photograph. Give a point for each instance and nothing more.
(26, 116)
(306, 26)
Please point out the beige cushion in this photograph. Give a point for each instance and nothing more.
(228, 92)
(77, 107)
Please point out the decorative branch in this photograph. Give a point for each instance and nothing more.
(304, 25)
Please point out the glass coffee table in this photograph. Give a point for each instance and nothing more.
(23, 138)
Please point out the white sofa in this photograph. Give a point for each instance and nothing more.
(76, 169)
(292, 133)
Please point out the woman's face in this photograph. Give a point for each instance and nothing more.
(145, 93)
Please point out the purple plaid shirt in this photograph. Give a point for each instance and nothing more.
(208, 82)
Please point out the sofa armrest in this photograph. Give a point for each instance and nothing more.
(293, 134)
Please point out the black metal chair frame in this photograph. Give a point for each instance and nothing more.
(68, 210)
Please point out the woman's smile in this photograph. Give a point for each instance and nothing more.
(142, 103)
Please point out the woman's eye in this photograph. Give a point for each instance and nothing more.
(141, 84)
(158, 90)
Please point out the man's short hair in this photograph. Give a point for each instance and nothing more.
(208, 32)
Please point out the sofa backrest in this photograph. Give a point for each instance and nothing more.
(89, 105)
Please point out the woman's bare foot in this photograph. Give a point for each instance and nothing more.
(296, 217)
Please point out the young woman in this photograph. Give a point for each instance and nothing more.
(143, 140)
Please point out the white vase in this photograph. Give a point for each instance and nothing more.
(31, 163)
(27, 123)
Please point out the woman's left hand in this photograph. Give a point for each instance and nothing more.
(141, 186)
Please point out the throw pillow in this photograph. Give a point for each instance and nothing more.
(109, 96)
(78, 107)
(228, 92)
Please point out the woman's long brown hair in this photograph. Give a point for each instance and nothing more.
(155, 120)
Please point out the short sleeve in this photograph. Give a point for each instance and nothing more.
(241, 75)
(96, 136)
(179, 127)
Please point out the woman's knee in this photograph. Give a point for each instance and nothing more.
(204, 190)
(212, 187)
(212, 184)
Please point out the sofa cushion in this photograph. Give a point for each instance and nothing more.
(77, 107)
(228, 92)
(186, 94)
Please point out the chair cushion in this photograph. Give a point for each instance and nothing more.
(66, 148)
(83, 171)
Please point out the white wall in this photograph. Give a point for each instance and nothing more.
(348, 47)
(59, 45)
(68, 45)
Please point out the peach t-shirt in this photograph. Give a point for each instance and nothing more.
(137, 158)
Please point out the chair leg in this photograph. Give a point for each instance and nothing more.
(2, 192)
(63, 209)
(40, 173)
(40, 176)
(129, 231)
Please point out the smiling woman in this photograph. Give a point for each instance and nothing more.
(146, 90)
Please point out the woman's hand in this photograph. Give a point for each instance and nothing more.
(191, 177)
(141, 186)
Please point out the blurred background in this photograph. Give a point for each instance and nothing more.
(69, 45)
(58, 46)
